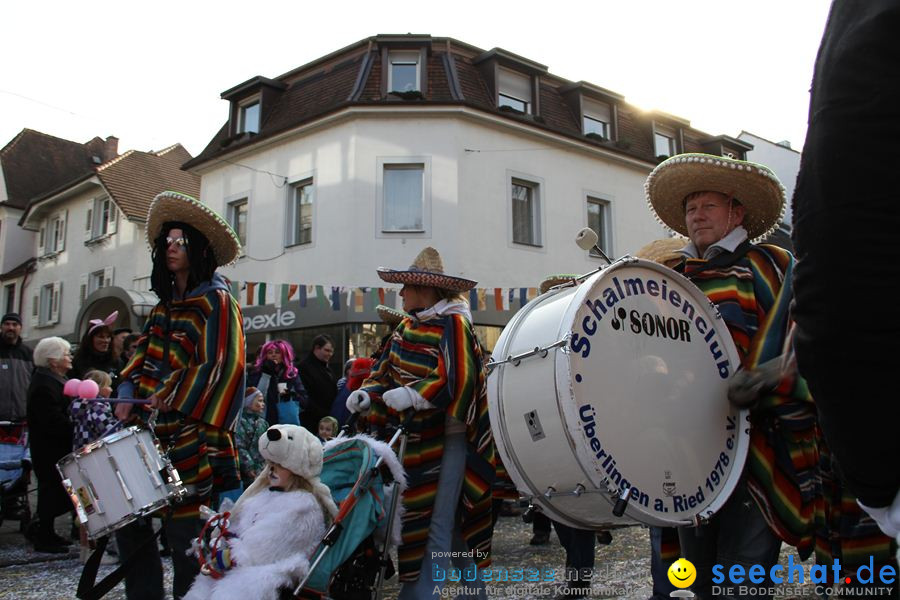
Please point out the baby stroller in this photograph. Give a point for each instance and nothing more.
(347, 563)
(352, 558)
(15, 473)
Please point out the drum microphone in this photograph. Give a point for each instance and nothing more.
(587, 239)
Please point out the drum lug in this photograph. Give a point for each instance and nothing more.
(551, 491)
(528, 515)
(578, 491)
(622, 502)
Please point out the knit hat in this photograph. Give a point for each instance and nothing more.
(249, 395)
(755, 186)
(427, 270)
(298, 451)
(170, 207)
(12, 316)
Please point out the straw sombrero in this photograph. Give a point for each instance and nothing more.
(554, 280)
(390, 316)
(427, 270)
(664, 251)
(172, 206)
(755, 186)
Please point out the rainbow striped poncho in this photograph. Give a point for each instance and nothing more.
(203, 382)
(753, 296)
(441, 360)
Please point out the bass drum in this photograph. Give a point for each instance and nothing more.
(617, 389)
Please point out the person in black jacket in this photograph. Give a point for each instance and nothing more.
(319, 381)
(51, 438)
(95, 352)
(15, 369)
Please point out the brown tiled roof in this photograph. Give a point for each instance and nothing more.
(134, 178)
(353, 76)
(36, 163)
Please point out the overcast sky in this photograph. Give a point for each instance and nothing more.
(151, 73)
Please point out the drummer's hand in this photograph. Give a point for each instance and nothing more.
(358, 401)
(404, 397)
(159, 404)
(123, 411)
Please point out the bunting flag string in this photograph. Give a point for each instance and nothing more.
(365, 299)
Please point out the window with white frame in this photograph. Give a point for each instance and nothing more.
(597, 118)
(46, 305)
(52, 235)
(300, 213)
(598, 220)
(403, 206)
(101, 218)
(513, 90)
(248, 121)
(237, 218)
(9, 298)
(403, 72)
(526, 212)
(664, 140)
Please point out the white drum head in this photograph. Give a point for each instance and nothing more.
(642, 397)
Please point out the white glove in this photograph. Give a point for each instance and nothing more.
(887, 518)
(404, 397)
(358, 401)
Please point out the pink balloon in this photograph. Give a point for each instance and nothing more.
(71, 387)
(88, 389)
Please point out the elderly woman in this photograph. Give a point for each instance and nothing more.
(433, 366)
(51, 438)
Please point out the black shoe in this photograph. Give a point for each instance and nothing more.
(49, 547)
(57, 540)
(540, 539)
(165, 552)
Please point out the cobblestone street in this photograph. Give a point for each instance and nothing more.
(622, 568)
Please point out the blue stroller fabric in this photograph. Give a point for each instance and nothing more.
(359, 494)
(14, 455)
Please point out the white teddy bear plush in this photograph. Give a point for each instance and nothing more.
(278, 521)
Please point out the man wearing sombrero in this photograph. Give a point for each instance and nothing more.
(190, 364)
(722, 204)
(433, 366)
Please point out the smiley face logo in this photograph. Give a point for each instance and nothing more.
(682, 573)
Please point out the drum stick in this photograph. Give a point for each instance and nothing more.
(119, 400)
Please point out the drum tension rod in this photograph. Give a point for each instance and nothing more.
(518, 358)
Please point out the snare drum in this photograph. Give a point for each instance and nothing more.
(118, 479)
(617, 389)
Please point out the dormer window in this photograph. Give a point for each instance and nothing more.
(665, 141)
(249, 118)
(403, 73)
(597, 118)
(514, 90)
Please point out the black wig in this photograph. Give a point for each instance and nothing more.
(201, 259)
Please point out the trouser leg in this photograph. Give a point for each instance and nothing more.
(145, 580)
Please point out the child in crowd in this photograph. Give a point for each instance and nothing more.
(265, 554)
(91, 421)
(252, 425)
(328, 429)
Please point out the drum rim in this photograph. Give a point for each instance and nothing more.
(742, 441)
(634, 512)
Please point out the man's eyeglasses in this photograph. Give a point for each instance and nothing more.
(181, 242)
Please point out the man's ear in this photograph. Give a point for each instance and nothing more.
(737, 214)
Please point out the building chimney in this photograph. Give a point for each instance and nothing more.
(112, 147)
(784, 144)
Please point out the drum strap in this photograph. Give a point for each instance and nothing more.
(87, 590)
